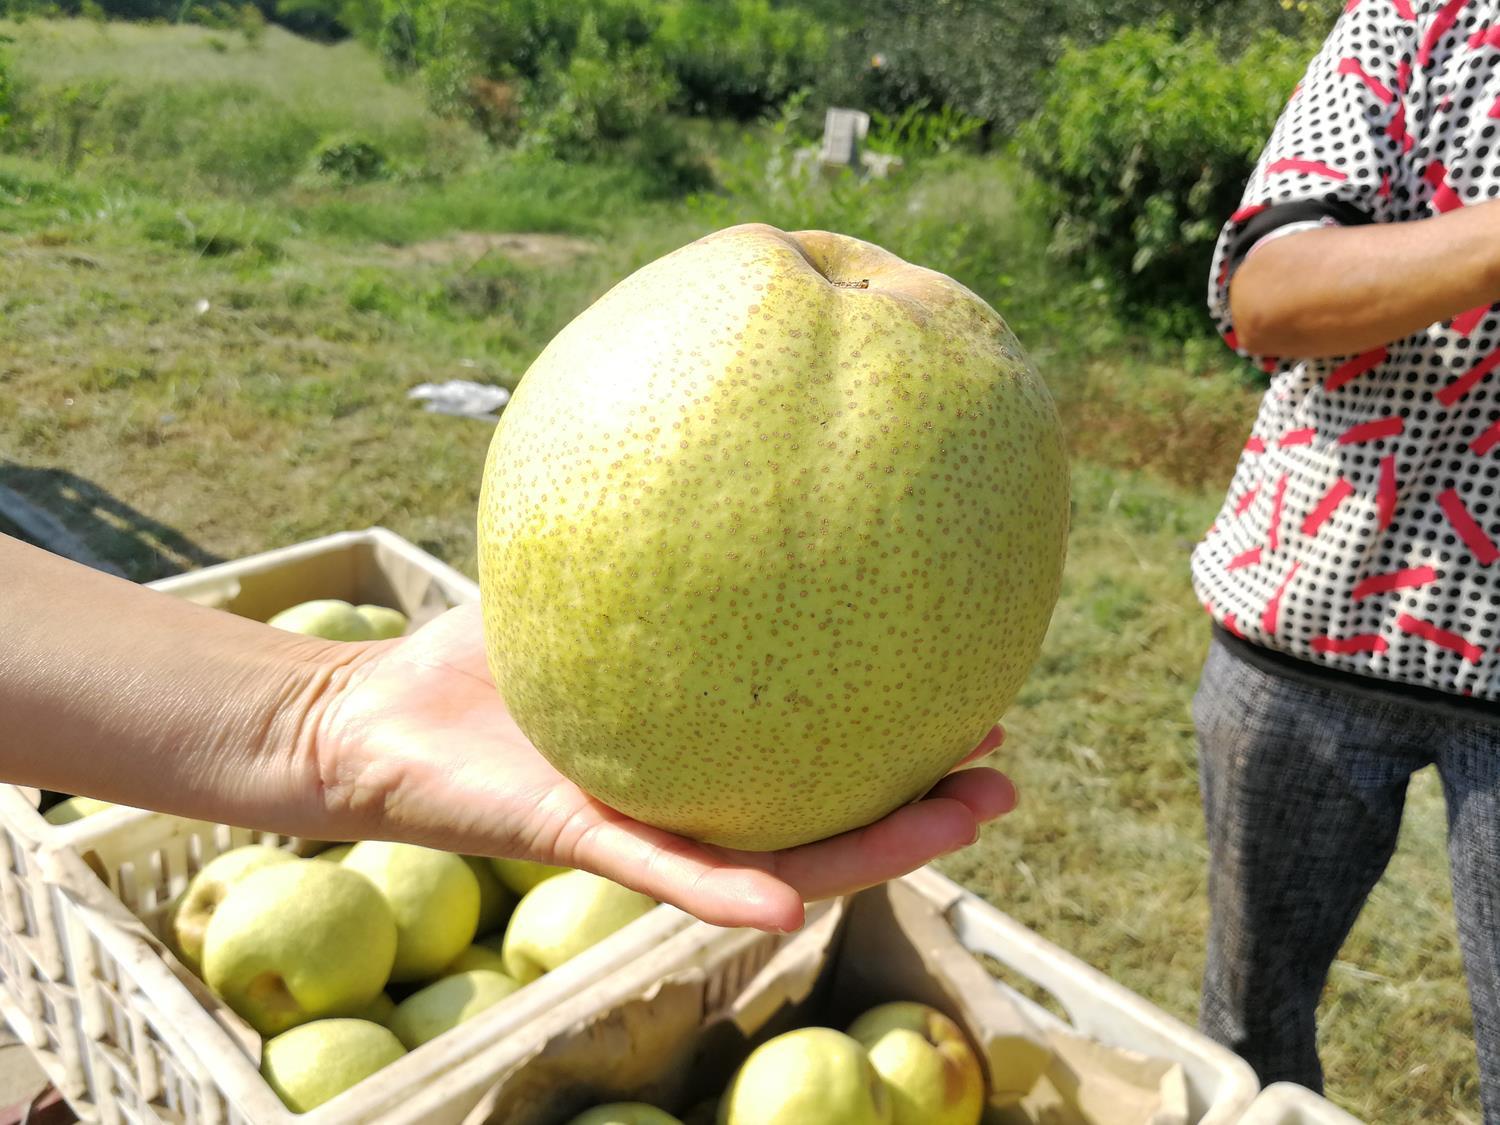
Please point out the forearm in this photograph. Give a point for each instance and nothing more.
(118, 692)
(1345, 290)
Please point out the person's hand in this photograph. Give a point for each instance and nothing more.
(414, 742)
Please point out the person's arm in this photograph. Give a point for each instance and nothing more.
(1344, 290)
(114, 691)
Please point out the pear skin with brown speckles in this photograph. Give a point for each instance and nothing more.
(770, 535)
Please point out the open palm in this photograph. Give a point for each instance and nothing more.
(417, 744)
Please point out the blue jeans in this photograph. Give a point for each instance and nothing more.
(1303, 786)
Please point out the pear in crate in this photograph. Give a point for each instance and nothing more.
(477, 957)
(189, 915)
(811, 1074)
(334, 854)
(625, 1113)
(433, 896)
(931, 1071)
(496, 900)
(75, 808)
(295, 942)
(379, 1010)
(520, 875)
(561, 917)
(447, 1003)
(384, 622)
(328, 618)
(310, 1064)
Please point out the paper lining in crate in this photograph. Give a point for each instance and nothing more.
(374, 565)
(670, 1028)
(157, 1046)
(1286, 1103)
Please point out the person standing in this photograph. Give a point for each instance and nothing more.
(1353, 572)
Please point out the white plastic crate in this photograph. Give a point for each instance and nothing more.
(1286, 1103)
(154, 1049)
(1221, 1085)
(119, 1034)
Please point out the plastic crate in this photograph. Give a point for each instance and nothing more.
(1286, 1103)
(1221, 1085)
(81, 983)
(157, 1047)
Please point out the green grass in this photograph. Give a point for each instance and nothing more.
(190, 109)
(166, 432)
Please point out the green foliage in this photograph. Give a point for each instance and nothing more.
(600, 97)
(66, 122)
(992, 59)
(350, 160)
(918, 130)
(166, 106)
(1142, 149)
(738, 58)
(612, 103)
(7, 96)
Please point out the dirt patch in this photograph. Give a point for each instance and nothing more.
(527, 249)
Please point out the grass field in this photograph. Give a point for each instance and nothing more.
(207, 351)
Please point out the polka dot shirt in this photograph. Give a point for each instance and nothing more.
(1362, 528)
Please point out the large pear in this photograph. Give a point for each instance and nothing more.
(770, 535)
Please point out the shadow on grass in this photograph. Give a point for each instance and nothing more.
(72, 516)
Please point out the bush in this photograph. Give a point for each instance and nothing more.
(1142, 149)
(598, 98)
(738, 58)
(350, 160)
(613, 104)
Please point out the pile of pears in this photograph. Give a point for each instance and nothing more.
(310, 951)
(901, 1063)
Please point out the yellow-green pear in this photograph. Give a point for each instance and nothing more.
(447, 1003)
(378, 1010)
(433, 895)
(384, 622)
(625, 1113)
(520, 875)
(496, 900)
(476, 957)
(310, 1064)
(334, 854)
(769, 536)
(189, 915)
(561, 917)
(931, 1071)
(811, 1074)
(75, 808)
(328, 618)
(294, 942)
